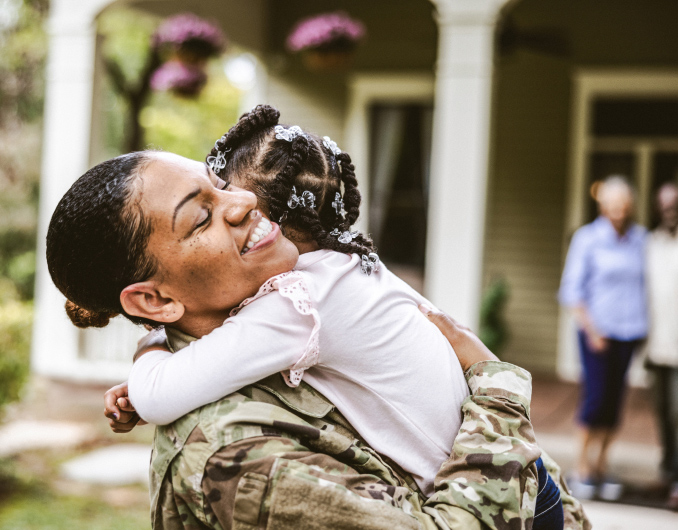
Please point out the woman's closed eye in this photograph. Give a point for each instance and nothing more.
(205, 220)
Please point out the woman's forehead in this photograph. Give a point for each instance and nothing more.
(167, 178)
(166, 170)
(175, 163)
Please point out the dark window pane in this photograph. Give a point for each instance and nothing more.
(400, 151)
(635, 117)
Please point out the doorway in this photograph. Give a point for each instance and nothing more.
(624, 123)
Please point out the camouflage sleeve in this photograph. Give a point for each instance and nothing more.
(491, 472)
(276, 484)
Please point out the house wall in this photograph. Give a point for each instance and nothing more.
(526, 240)
(401, 36)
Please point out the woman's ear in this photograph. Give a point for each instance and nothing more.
(144, 300)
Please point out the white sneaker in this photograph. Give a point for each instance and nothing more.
(610, 490)
(584, 490)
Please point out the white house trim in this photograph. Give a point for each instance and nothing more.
(66, 156)
(460, 152)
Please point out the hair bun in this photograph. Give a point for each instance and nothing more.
(83, 318)
(259, 118)
(262, 116)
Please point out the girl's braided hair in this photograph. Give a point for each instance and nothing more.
(272, 166)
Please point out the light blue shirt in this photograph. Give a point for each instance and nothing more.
(606, 274)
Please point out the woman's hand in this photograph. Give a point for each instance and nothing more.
(596, 341)
(121, 415)
(468, 347)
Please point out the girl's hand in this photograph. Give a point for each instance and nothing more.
(468, 347)
(121, 415)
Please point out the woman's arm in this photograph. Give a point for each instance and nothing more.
(266, 337)
(572, 293)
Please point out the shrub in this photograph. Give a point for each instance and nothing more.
(493, 331)
(15, 337)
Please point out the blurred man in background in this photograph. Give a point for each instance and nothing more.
(662, 348)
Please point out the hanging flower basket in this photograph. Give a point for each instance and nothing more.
(189, 38)
(326, 42)
(185, 80)
(327, 61)
(185, 42)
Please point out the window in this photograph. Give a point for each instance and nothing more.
(400, 148)
(624, 124)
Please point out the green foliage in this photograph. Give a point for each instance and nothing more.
(32, 497)
(23, 51)
(189, 127)
(186, 126)
(21, 64)
(493, 331)
(126, 38)
(21, 270)
(15, 334)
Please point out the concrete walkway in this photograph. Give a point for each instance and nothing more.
(605, 516)
(28, 435)
(636, 454)
(115, 465)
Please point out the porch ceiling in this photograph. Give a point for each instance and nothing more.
(402, 34)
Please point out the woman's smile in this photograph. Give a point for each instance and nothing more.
(261, 235)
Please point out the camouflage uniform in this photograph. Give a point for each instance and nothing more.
(269, 456)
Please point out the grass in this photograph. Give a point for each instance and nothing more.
(47, 511)
(34, 497)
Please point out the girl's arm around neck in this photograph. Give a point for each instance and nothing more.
(266, 337)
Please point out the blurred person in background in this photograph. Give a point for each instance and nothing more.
(662, 347)
(604, 285)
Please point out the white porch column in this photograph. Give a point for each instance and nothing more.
(459, 159)
(66, 148)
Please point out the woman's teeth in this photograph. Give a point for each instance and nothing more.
(260, 232)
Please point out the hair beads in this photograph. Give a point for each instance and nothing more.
(298, 177)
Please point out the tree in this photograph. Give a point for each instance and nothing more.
(175, 59)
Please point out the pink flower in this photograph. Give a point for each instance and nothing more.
(189, 30)
(328, 31)
(184, 79)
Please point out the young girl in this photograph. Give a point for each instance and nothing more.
(330, 320)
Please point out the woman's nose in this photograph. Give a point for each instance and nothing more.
(238, 203)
